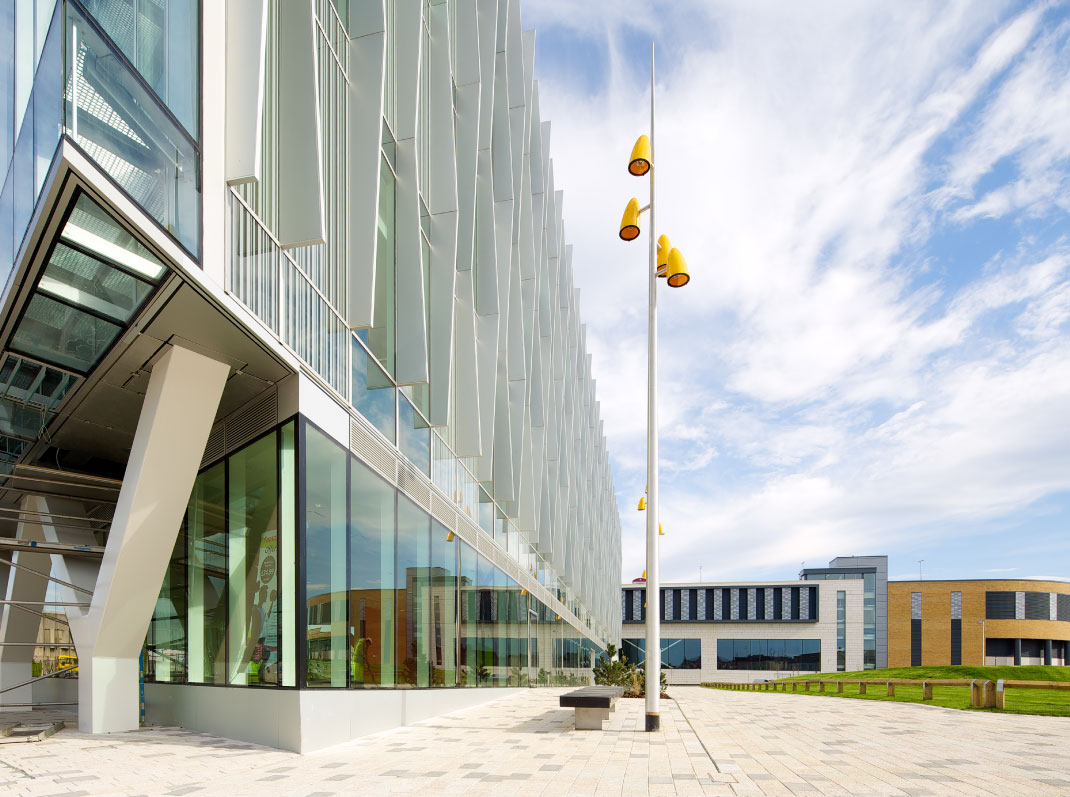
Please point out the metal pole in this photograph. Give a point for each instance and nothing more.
(75, 587)
(653, 581)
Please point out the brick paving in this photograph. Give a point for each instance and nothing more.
(712, 742)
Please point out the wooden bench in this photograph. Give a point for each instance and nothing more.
(593, 705)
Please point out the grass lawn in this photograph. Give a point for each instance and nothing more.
(1024, 673)
(1018, 701)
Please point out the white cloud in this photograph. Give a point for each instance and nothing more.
(829, 382)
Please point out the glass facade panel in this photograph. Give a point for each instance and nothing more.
(121, 126)
(373, 392)
(413, 604)
(160, 38)
(253, 566)
(371, 579)
(326, 489)
(78, 279)
(206, 535)
(797, 655)
(443, 609)
(47, 90)
(469, 611)
(165, 647)
(414, 436)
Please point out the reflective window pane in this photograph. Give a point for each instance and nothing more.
(414, 436)
(412, 601)
(373, 392)
(81, 280)
(253, 548)
(60, 334)
(206, 538)
(326, 491)
(469, 613)
(443, 608)
(371, 579)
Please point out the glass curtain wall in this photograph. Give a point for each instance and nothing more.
(225, 612)
(392, 597)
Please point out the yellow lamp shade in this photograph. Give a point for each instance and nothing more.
(677, 270)
(640, 160)
(629, 225)
(664, 247)
(642, 503)
(449, 536)
(660, 529)
(644, 574)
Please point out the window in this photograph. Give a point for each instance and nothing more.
(794, 603)
(778, 655)
(326, 487)
(253, 564)
(676, 654)
(373, 392)
(206, 537)
(999, 605)
(692, 604)
(414, 436)
(841, 630)
(412, 606)
(778, 603)
(371, 579)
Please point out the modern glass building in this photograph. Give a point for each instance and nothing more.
(295, 403)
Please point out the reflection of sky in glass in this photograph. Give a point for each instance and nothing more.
(415, 437)
(373, 393)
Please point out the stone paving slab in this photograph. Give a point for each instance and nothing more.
(712, 743)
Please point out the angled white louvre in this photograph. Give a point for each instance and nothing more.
(301, 221)
(246, 41)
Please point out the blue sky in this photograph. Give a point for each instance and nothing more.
(873, 355)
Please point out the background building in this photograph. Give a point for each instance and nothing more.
(750, 631)
(292, 373)
(873, 572)
(947, 622)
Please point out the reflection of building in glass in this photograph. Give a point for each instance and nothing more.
(294, 364)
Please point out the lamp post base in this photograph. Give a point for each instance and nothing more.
(653, 722)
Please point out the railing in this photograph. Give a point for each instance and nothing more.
(984, 693)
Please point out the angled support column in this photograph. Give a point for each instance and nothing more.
(176, 418)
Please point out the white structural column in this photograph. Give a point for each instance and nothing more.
(176, 418)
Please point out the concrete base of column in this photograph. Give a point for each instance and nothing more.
(108, 695)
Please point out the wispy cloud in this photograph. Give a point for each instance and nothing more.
(874, 204)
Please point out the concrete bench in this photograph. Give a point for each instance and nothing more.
(593, 705)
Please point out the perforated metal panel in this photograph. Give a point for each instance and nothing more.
(372, 451)
(915, 605)
(252, 420)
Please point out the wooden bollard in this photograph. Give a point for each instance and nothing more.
(926, 690)
(794, 686)
(839, 687)
(891, 689)
(1001, 694)
(806, 685)
(990, 694)
(861, 687)
(820, 686)
(975, 699)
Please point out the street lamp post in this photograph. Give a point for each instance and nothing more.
(664, 261)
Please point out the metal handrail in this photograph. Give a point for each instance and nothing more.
(75, 587)
(52, 674)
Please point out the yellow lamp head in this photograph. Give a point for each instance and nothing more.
(677, 270)
(644, 574)
(629, 225)
(664, 247)
(449, 536)
(660, 529)
(642, 503)
(640, 160)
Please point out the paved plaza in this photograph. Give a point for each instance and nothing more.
(712, 742)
